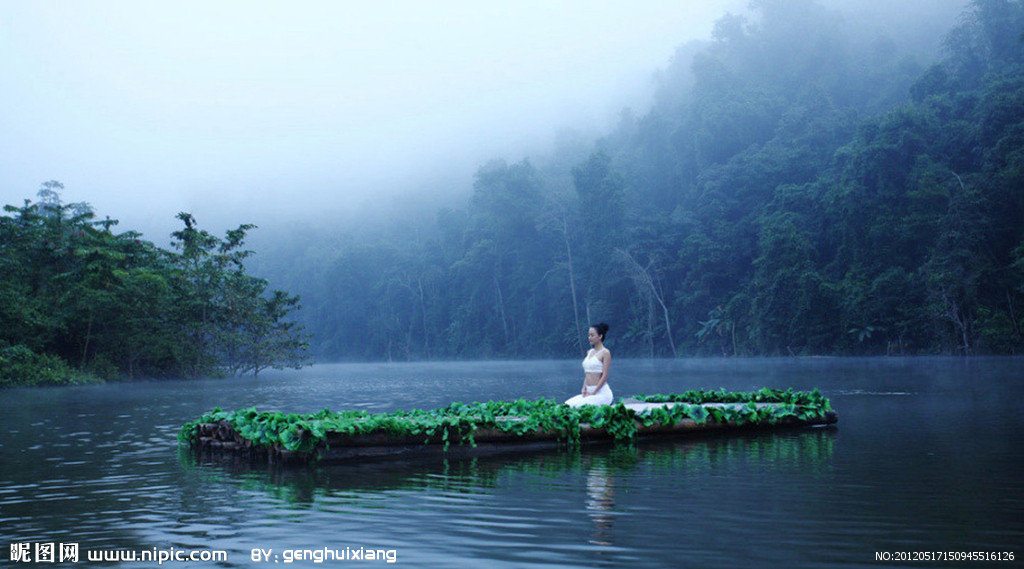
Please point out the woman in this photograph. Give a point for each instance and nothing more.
(595, 371)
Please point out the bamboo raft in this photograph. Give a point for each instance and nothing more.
(220, 438)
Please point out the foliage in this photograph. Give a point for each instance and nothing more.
(458, 422)
(812, 402)
(79, 302)
(20, 366)
(795, 188)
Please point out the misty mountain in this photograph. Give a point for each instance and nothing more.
(802, 184)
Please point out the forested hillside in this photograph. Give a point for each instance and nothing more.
(794, 189)
(79, 302)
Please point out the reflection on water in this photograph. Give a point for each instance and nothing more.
(523, 497)
(600, 503)
(925, 457)
(799, 449)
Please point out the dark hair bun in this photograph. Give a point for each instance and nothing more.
(601, 328)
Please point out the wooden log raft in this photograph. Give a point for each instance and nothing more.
(220, 438)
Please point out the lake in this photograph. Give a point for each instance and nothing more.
(925, 458)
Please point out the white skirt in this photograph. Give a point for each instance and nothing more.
(602, 397)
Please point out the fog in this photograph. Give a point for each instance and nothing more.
(237, 111)
(241, 111)
(764, 177)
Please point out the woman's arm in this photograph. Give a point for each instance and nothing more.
(607, 361)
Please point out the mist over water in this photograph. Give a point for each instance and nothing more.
(923, 459)
(476, 182)
(483, 180)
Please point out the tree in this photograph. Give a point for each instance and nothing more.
(648, 284)
(791, 190)
(599, 191)
(230, 323)
(271, 339)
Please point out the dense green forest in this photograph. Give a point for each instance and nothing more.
(79, 302)
(793, 189)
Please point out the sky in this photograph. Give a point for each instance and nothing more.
(242, 111)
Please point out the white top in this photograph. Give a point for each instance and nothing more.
(591, 364)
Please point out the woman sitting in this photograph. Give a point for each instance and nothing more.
(595, 371)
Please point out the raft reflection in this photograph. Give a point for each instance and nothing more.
(597, 466)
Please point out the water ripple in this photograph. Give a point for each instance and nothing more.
(910, 464)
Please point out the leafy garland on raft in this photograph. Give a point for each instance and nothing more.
(811, 398)
(458, 421)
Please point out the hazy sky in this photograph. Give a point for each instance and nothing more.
(231, 109)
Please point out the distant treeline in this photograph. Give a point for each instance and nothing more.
(79, 302)
(793, 190)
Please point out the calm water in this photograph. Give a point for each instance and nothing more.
(926, 457)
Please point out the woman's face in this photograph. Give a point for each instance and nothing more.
(593, 336)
